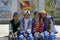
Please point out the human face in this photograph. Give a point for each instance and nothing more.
(26, 15)
(43, 15)
(36, 16)
(16, 17)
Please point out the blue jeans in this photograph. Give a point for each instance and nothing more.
(30, 37)
(54, 29)
(50, 36)
(41, 36)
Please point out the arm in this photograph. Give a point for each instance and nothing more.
(41, 26)
(51, 25)
(21, 27)
(10, 27)
(18, 29)
(30, 27)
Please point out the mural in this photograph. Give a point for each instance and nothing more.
(31, 5)
(5, 5)
(24, 5)
(5, 9)
(53, 8)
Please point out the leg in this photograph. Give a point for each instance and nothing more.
(52, 36)
(30, 37)
(41, 36)
(46, 35)
(16, 37)
(10, 36)
(36, 36)
(21, 37)
(54, 30)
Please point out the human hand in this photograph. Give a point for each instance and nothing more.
(25, 35)
(15, 33)
(36, 34)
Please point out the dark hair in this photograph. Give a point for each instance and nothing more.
(52, 18)
(16, 13)
(39, 14)
(35, 13)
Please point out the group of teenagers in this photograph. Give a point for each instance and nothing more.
(40, 27)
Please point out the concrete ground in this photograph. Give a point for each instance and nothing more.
(4, 31)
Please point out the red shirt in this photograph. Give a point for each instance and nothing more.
(41, 27)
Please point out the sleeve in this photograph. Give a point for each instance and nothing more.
(41, 26)
(10, 27)
(30, 27)
(51, 25)
(21, 27)
(33, 27)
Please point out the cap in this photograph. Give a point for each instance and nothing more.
(43, 12)
(26, 11)
(16, 13)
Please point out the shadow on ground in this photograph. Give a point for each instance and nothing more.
(6, 38)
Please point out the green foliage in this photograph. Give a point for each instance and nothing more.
(47, 6)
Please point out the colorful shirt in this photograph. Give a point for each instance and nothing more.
(37, 27)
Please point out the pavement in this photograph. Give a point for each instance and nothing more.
(4, 31)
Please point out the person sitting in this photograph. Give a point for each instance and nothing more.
(49, 30)
(26, 26)
(37, 27)
(14, 26)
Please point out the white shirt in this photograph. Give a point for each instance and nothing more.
(26, 24)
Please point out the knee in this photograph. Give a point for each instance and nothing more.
(42, 34)
(46, 33)
(21, 37)
(30, 36)
(52, 34)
